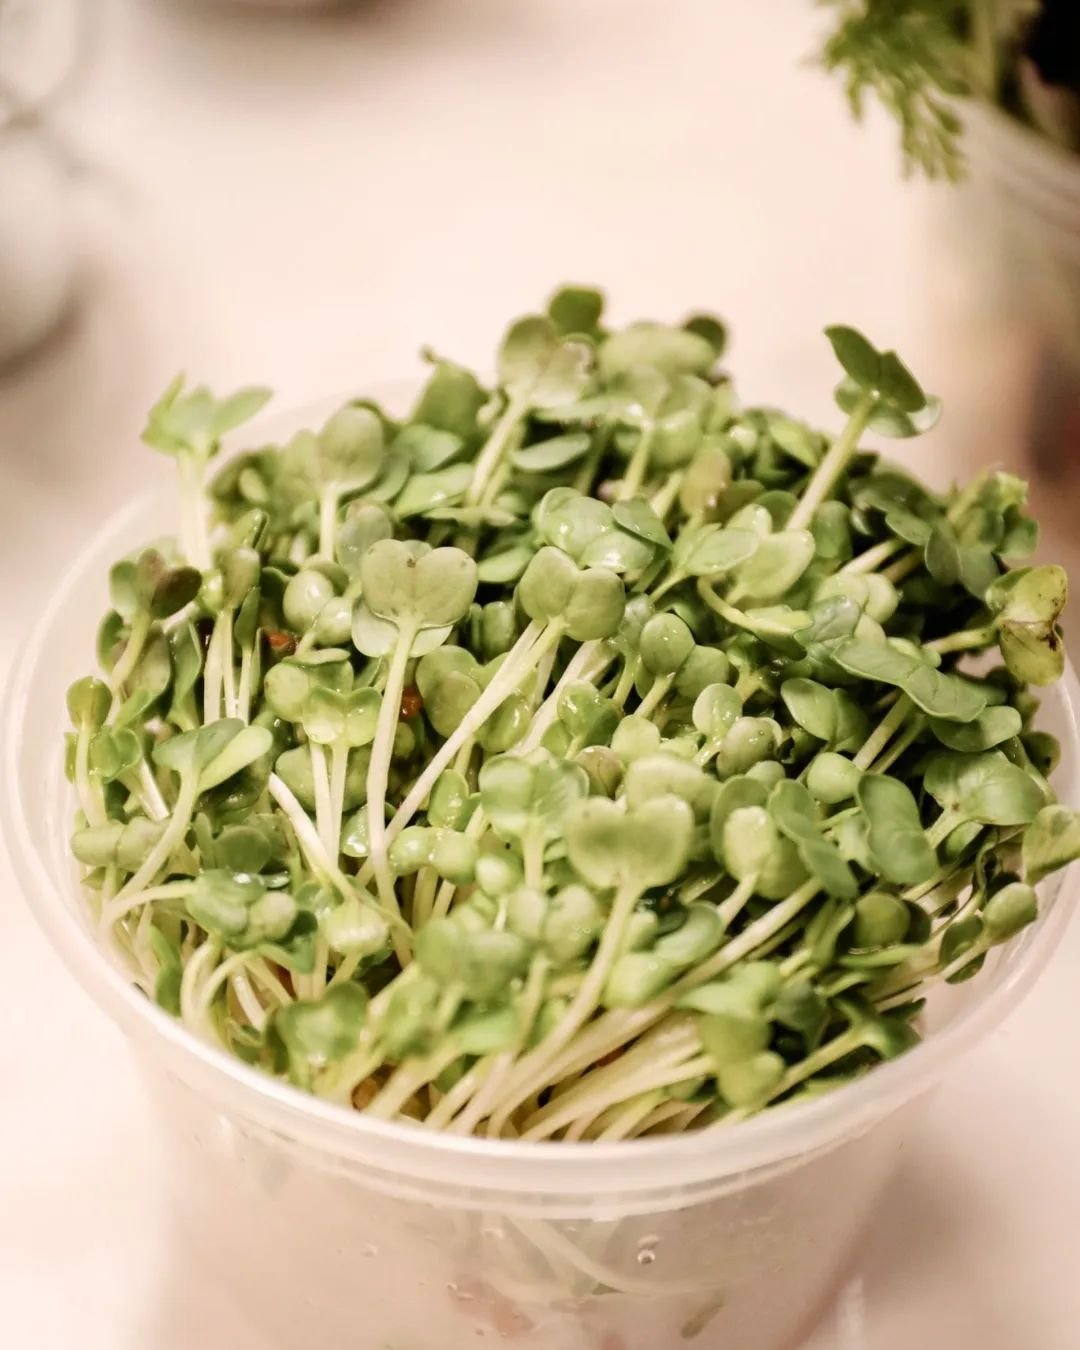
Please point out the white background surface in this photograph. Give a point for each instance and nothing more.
(303, 204)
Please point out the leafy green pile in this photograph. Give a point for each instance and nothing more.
(578, 757)
(917, 57)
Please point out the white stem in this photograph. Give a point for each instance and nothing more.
(152, 800)
(226, 658)
(89, 798)
(495, 446)
(328, 505)
(129, 657)
(306, 834)
(243, 695)
(173, 835)
(339, 765)
(521, 657)
(538, 1061)
(647, 1080)
(246, 996)
(117, 909)
(832, 466)
(204, 957)
(323, 807)
(212, 677)
(590, 660)
(382, 750)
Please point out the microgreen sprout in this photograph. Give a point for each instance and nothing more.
(576, 755)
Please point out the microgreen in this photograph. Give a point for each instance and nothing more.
(581, 733)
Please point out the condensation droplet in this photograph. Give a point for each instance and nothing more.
(646, 1253)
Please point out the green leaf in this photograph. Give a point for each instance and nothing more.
(88, 703)
(672, 351)
(750, 1082)
(715, 552)
(801, 1009)
(1009, 910)
(610, 846)
(355, 928)
(432, 590)
(519, 797)
(832, 778)
(576, 309)
(776, 565)
(541, 369)
(1052, 841)
(812, 706)
(350, 449)
(941, 695)
(711, 328)
(487, 1031)
(246, 745)
(428, 448)
(450, 401)
(990, 728)
(555, 453)
(315, 1034)
(194, 421)
(637, 516)
(858, 357)
(887, 419)
(424, 492)
(715, 711)
(983, 787)
(895, 838)
(755, 851)
(793, 811)
(881, 920)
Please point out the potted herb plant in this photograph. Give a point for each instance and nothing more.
(987, 93)
(545, 841)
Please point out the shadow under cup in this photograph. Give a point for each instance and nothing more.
(333, 1229)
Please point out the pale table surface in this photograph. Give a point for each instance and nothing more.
(303, 204)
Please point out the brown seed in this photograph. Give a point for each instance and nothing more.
(411, 702)
(279, 642)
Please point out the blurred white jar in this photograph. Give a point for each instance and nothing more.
(42, 46)
(37, 241)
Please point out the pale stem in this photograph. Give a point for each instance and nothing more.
(832, 465)
(638, 463)
(172, 836)
(89, 798)
(889, 725)
(872, 558)
(382, 750)
(129, 657)
(513, 670)
(539, 1060)
(328, 506)
(494, 448)
(320, 775)
(660, 688)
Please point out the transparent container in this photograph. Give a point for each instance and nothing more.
(1009, 293)
(337, 1230)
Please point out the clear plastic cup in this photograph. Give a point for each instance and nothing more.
(337, 1230)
